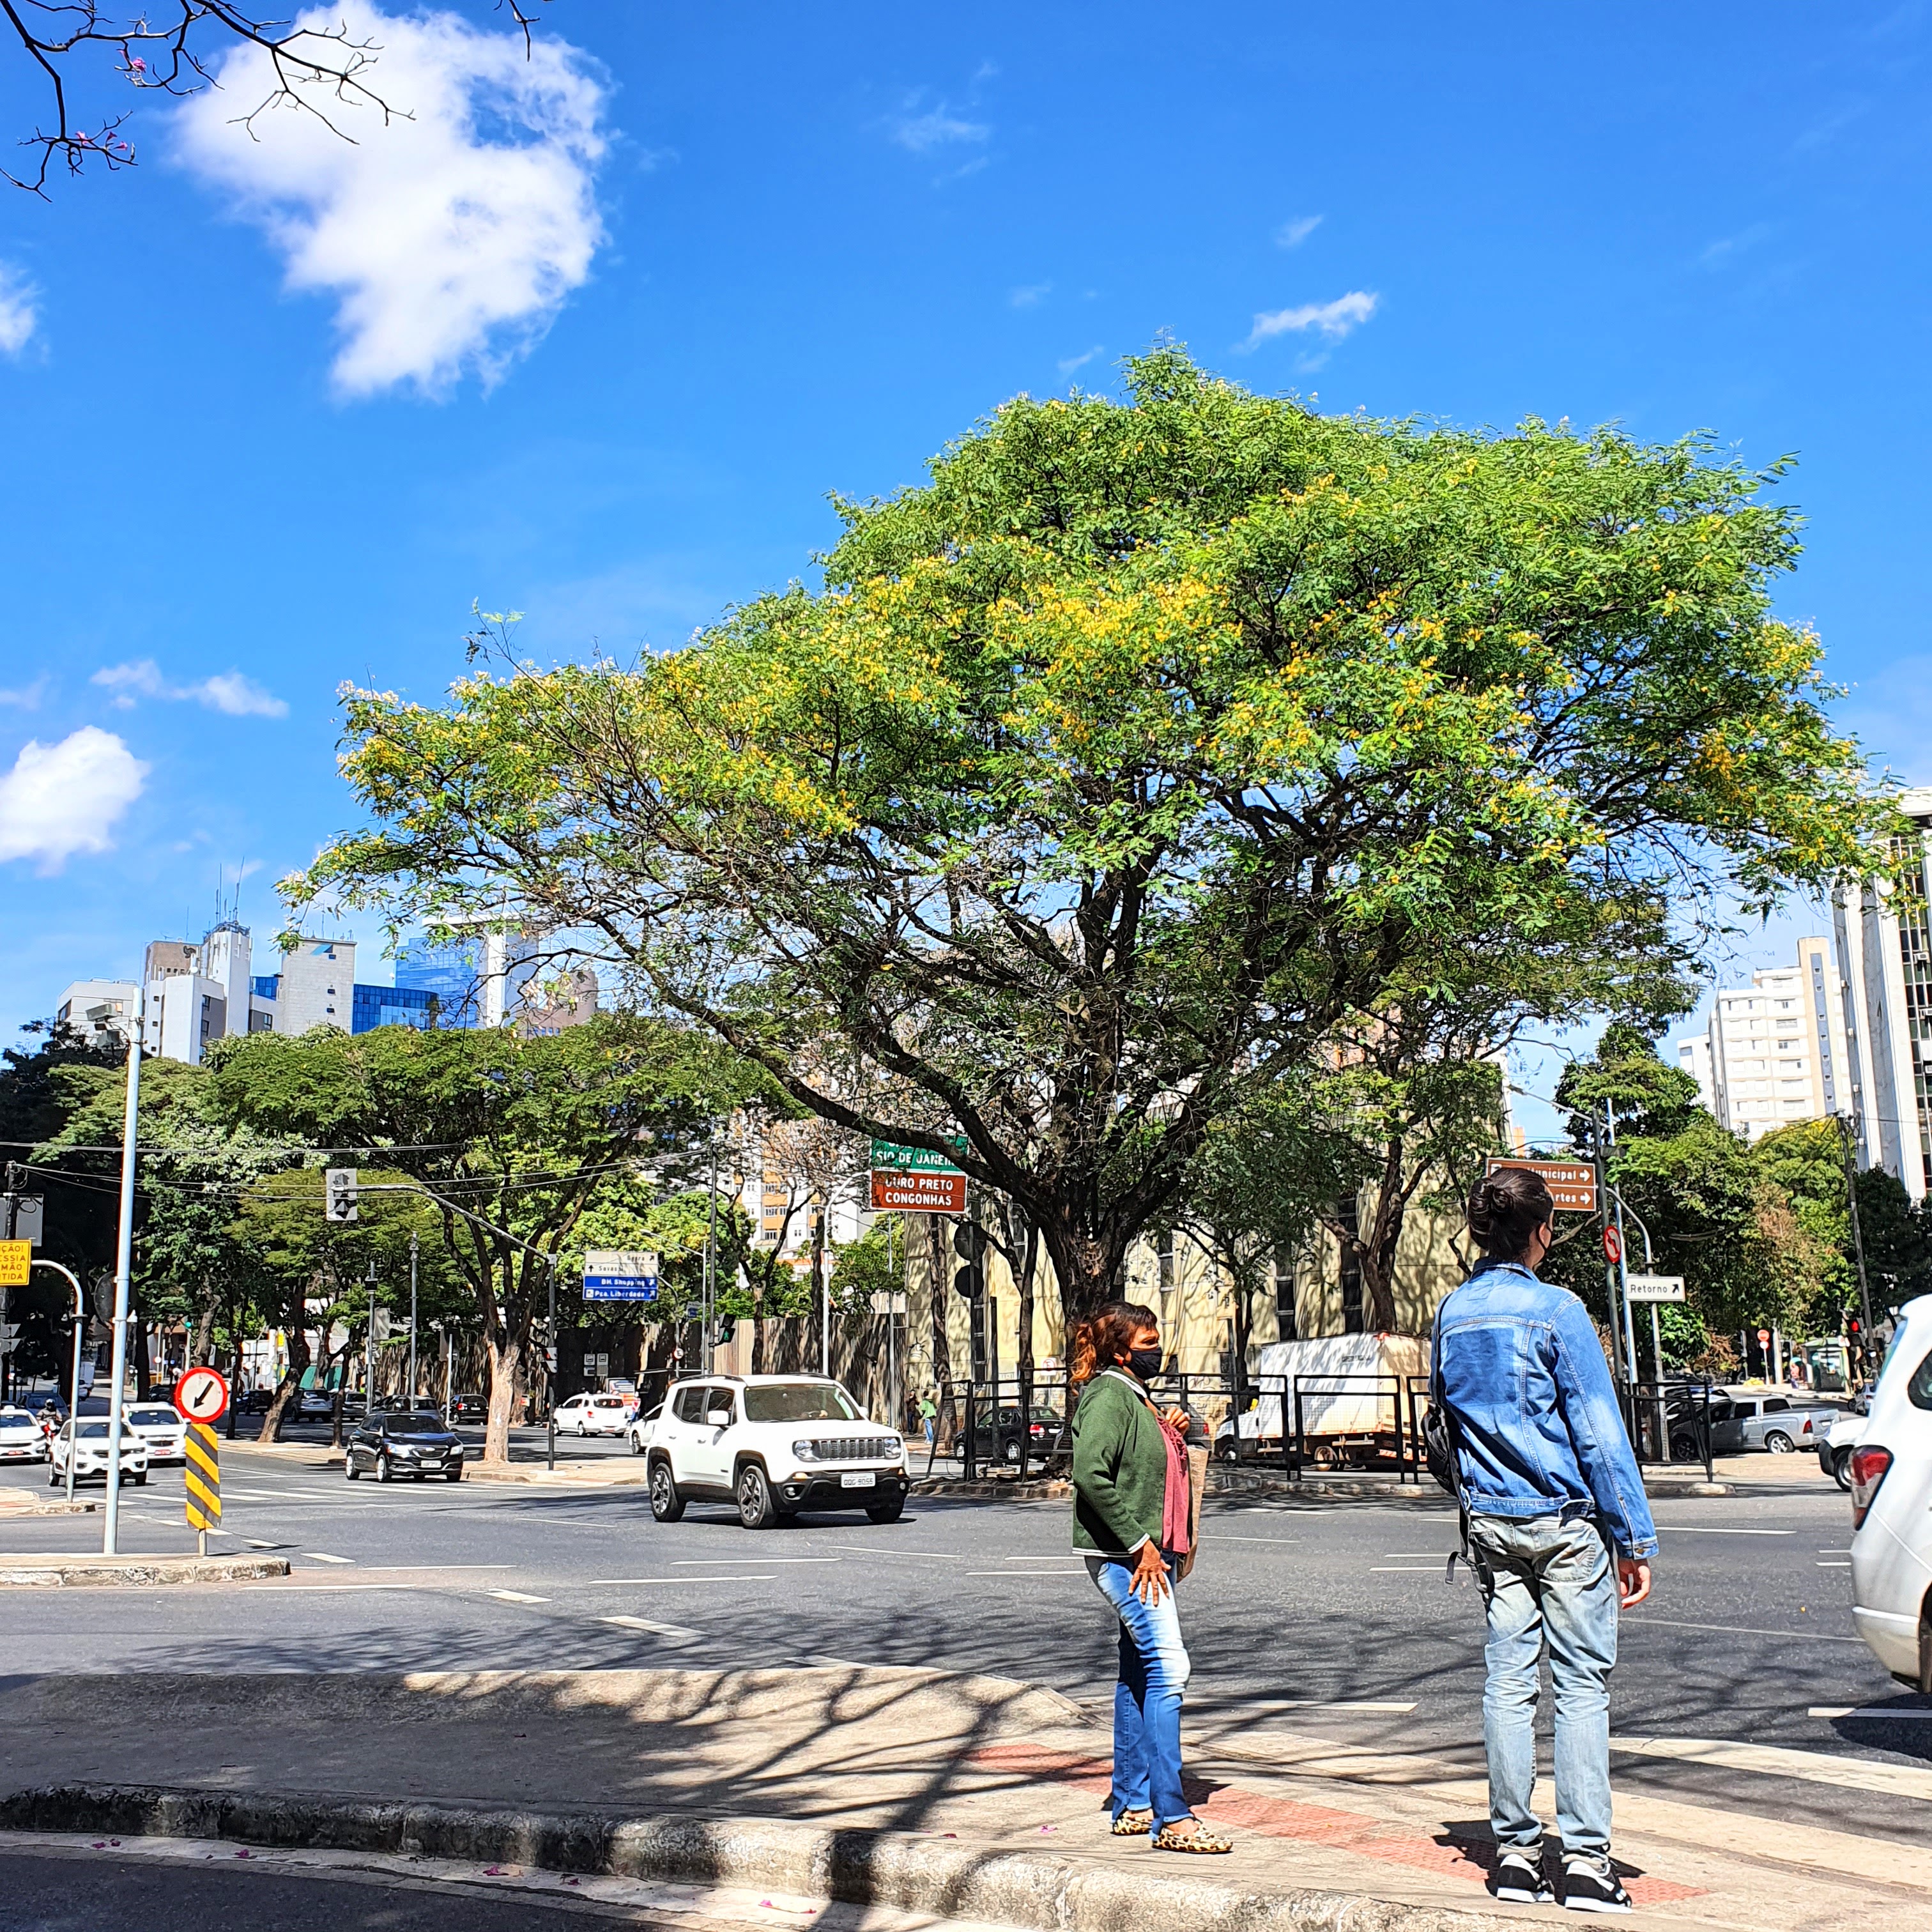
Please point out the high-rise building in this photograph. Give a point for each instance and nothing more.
(480, 979)
(1884, 965)
(1774, 1051)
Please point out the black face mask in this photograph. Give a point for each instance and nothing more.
(1144, 1364)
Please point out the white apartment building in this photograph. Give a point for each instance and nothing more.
(1884, 965)
(1776, 1051)
(316, 987)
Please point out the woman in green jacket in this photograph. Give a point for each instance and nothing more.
(1130, 1521)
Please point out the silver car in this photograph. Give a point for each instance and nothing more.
(1741, 1421)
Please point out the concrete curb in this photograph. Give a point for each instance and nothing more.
(911, 1871)
(57, 1572)
(994, 1488)
(63, 1507)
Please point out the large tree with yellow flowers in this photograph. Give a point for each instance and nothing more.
(1112, 768)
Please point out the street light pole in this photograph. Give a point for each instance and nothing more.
(123, 1262)
(1845, 1132)
(369, 1354)
(550, 1376)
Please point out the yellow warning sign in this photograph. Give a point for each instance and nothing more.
(204, 1478)
(16, 1264)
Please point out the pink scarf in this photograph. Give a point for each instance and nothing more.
(1177, 1505)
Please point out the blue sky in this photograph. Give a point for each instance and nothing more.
(270, 422)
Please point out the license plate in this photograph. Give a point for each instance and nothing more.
(866, 1479)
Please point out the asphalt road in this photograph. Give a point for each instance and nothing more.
(1332, 1616)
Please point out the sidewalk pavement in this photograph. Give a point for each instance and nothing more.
(968, 1796)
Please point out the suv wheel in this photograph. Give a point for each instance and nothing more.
(666, 1505)
(1683, 1449)
(1841, 1469)
(1010, 1449)
(756, 1509)
(1779, 1444)
(349, 1471)
(886, 1512)
(383, 1472)
(637, 1444)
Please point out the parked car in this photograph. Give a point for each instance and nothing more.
(1835, 1447)
(88, 1449)
(589, 1415)
(472, 1407)
(639, 1433)
(1892, 1489)
(1000, 1436)
(417, 1443)
(1741, 1422)
(163, 1429)
(254, 1402)
(22, 1439)
(774, 1445)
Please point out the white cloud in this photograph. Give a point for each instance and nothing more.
(1292, 234)
(1031, 296)
(19, 317)
(450, 237)
(1730, 247)
(230, 691)
(1070, 363)
(938, 127)
(62, 798)
(27, 696)
(1334, 320)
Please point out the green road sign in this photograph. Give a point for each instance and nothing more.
(891, 1154)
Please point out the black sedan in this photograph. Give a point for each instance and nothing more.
(416, 1443)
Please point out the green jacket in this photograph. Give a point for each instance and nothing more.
(1119, 1467)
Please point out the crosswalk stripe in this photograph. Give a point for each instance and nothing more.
(1849, 1773)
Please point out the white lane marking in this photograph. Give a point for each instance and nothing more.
(409, 1569)
(1921, 1716)
(1406, 1569)
(1199, 1705)
(1219, 1538)
(655, 1629)
(1640, 1618)
(1440, 1555)
(323, 1556)
(1834, 1552)
(1713, 1529)
(1033, 1576)
(739, 1579)
(878, 1550)
(1837, 1563)
(714, 1562)
(515, 1597)
(1776, 1761)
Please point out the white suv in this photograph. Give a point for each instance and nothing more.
(1891, 1487)
(774, 1445)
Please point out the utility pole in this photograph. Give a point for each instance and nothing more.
(123, 1262)
(1619, 1274)
(710, 1292)
(550, 1376)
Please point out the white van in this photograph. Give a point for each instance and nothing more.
(1891, 1506)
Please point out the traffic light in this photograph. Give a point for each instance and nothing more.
(727, 1327)
(969, 1243)
(549, 1361)
(339, 1194)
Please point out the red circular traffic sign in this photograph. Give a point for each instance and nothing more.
(1764, 1334)
(202, 1395)
(1613, 1246)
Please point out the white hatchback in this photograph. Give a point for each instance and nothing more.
(1891, 1506)
(163, 1429)
(22, 1439)
(595, 1415)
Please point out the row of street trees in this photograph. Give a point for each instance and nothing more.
(1170, 790)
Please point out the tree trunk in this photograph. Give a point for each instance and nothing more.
(942, 1352)
(506, 1354)
(143, 1361)
(201, 1338)
(289, 1389)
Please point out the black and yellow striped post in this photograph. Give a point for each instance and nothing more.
(204, 1481)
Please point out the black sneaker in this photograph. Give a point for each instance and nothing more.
(1518, 1879)
(1587, 1889)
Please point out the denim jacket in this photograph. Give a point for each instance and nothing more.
(1522, 1370)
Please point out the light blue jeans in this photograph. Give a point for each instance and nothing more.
(1548, 1585)
(1147, 1700)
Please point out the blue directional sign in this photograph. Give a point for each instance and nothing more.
(619, 1274)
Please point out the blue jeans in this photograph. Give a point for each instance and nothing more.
(1147, 1700)
(1550, 1584)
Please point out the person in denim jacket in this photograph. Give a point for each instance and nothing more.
(1560, 1534)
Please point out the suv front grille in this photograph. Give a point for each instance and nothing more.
(853, 1448)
